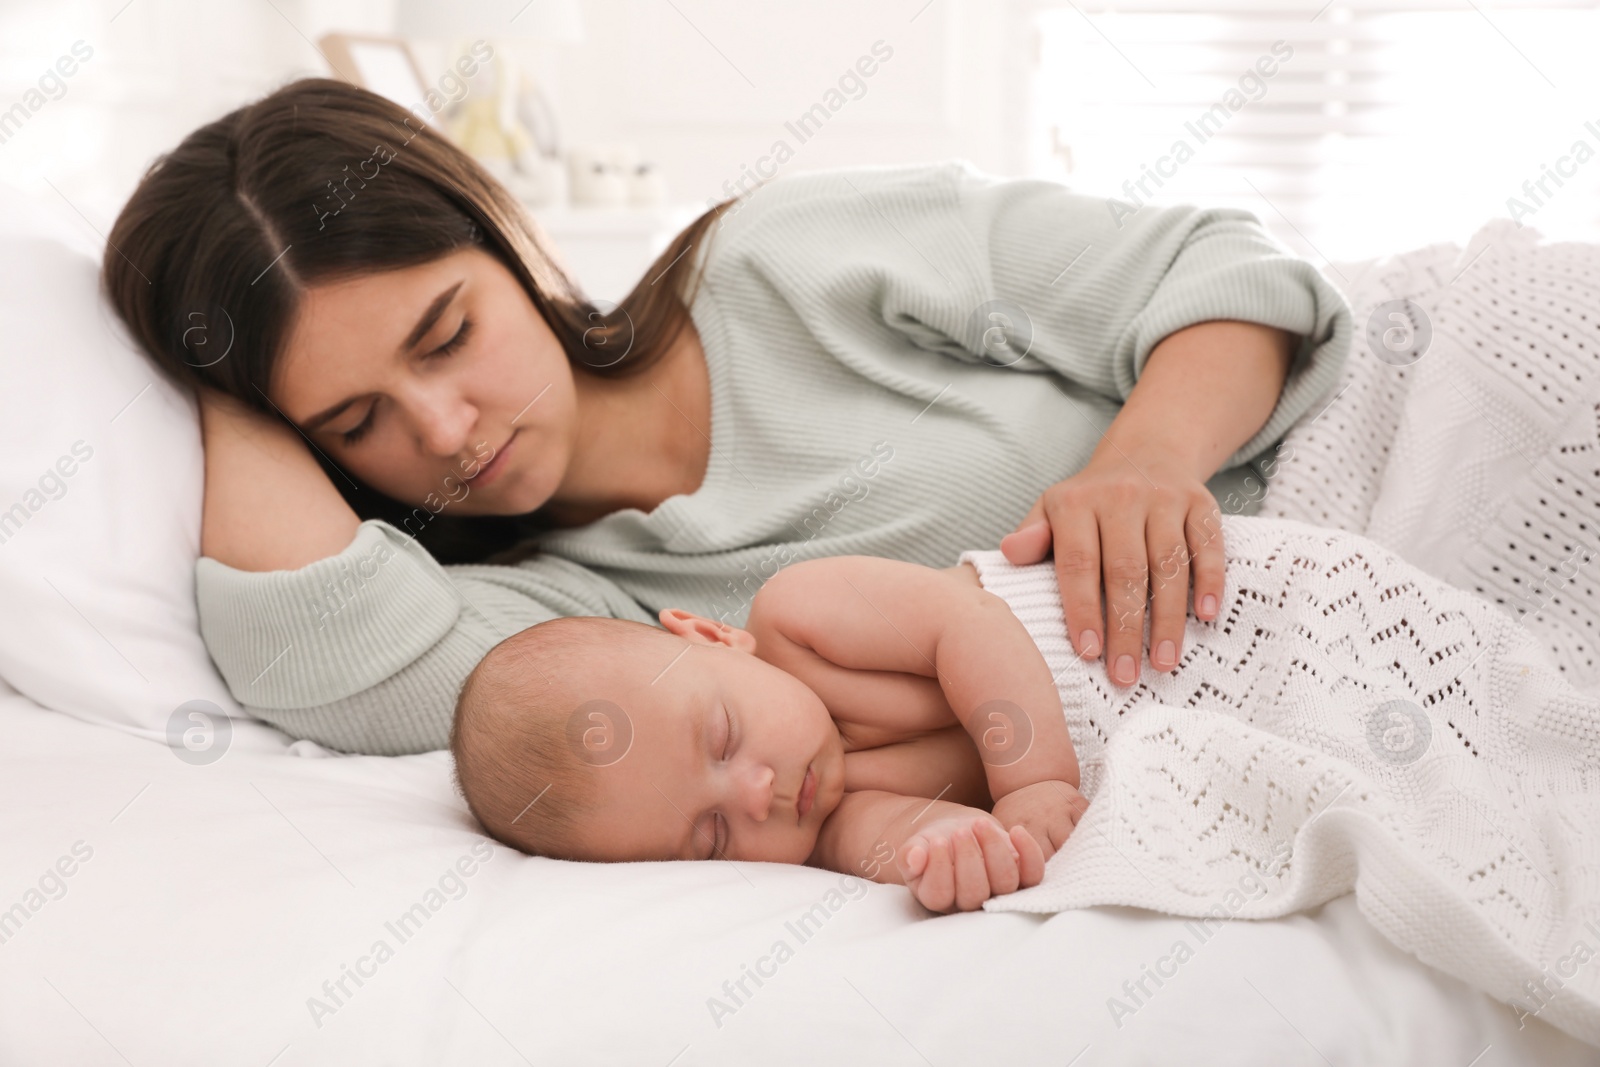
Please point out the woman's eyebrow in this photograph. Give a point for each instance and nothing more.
(418, 332)
(429, 317)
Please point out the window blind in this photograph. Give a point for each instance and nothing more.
(1351, 128)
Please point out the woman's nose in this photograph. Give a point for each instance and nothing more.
(444, 420)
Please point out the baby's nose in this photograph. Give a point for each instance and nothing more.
(758, 793)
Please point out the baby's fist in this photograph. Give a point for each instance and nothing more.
(1048, 811)
(958, 861)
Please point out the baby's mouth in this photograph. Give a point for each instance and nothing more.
(808, 792)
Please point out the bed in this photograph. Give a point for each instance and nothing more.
(182, 885)
(219, 900)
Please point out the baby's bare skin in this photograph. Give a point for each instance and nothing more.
(895, 651)
(941, 762)
(847, 728)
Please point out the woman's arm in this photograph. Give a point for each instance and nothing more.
(268, 504)
(1206, 302)
(1205, 391)
(1138, 518)
(348, 633)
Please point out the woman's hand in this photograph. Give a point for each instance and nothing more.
(268, 503)
(1139, 516)
(1140, 526)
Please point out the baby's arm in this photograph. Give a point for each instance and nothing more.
(950, 856)
(838, 624)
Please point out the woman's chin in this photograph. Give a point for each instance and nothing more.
(510, 494)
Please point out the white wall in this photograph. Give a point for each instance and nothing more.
(705, 88)
(650, 73)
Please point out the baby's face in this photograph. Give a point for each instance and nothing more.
(726, 750)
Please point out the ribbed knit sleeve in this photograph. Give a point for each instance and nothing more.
(366, 650)
(1101, 285)
(872, 257)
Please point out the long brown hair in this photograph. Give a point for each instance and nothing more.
(225, 232)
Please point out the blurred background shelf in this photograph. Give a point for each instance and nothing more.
(608, 249)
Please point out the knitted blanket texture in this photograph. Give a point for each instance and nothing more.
(1401, 695)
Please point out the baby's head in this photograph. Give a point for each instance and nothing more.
(603, 739)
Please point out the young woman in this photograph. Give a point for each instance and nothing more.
(402, 392)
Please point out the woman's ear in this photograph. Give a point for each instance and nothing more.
(703, 631)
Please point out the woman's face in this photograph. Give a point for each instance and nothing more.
(416, 381)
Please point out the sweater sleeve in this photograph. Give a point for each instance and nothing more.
(365, 651)
(940, 255)
(1095, 285)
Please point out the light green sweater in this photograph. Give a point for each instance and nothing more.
(841, 313)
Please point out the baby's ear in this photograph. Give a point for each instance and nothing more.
(703, 631)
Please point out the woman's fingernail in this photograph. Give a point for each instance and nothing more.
(1089, 644)
(1208, 604)
(1166, 652)
(1125, 669)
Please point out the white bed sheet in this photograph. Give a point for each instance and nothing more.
(218, 899)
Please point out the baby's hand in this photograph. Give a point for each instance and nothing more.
(1048, 811)
(959, 860)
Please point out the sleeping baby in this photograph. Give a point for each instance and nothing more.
(876, 718)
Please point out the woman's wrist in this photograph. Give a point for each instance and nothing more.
(1166, 451)
(268, 505)
(1205, 390)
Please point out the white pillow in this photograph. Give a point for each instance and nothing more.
(101, 482)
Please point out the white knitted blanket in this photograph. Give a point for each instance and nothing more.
(1401, 696)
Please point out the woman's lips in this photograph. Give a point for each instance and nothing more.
(808, 792)
(490, 471)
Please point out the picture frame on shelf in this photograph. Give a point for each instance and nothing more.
(384, 64)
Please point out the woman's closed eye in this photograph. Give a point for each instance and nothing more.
(351, 436)
(455, 342)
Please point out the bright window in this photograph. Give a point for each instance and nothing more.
(1351, 129)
